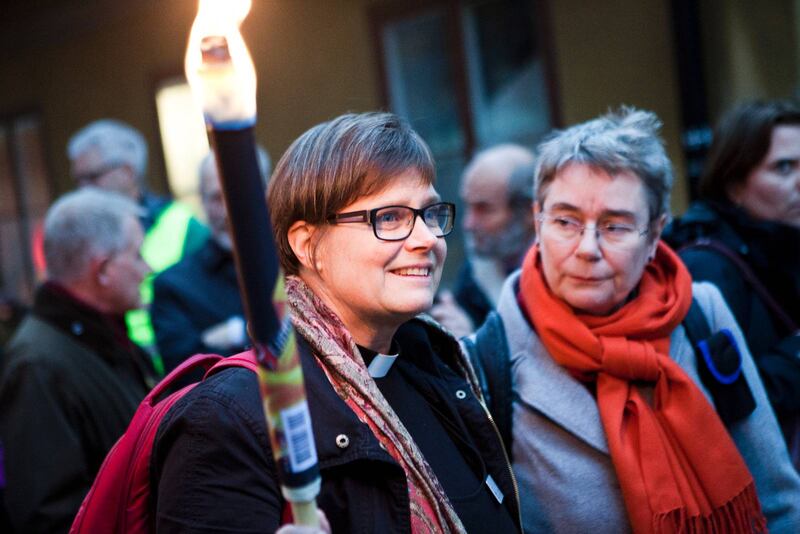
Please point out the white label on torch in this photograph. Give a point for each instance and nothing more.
(299, 437)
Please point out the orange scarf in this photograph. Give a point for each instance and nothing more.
(678, 468)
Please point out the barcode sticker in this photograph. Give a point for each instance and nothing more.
(299, 437)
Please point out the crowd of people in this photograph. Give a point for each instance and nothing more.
(653, 365)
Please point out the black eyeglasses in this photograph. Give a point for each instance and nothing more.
(395, 223)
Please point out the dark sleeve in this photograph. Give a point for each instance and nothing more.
(779, 364)
(46, 468)
(176, 335)
(214, 470)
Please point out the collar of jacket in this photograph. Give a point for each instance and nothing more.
(338, 420)
(540, 382)
(339, 435)
(101, 332)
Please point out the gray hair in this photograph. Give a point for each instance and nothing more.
(264, 166)
(116, 142)
(83, 225)
(623, 140)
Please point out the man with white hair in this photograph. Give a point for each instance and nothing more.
(196, 304)
(112, 155)
(71, 379)
(497, 191)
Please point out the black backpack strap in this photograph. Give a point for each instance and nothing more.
(749, 276)
(491, 358)
(719, 364)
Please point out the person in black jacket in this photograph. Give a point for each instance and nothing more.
(196, 304)
(405, 443)
(744, 236)
(71, 379)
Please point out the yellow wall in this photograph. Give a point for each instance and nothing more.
(615, 52)
(315, 59)
(750, 50)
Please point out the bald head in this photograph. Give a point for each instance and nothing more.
(497, 190)
(496, 165)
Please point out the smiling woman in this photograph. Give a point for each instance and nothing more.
(404, 442)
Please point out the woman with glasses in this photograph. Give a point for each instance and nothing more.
(404, 441)
(613, 431)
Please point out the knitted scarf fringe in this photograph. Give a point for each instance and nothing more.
(742, 514)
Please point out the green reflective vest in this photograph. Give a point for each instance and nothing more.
(164, 244)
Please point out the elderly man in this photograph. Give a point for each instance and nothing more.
(71, 378)
(497, 191)
(111, 155)
(196, 304)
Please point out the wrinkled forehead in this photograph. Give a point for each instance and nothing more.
(592, 191)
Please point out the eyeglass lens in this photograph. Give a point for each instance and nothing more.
(397, 222)
(618, 235)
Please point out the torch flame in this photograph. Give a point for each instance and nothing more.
(218, 65)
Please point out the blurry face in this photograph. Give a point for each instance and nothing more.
(487, 213)
(590, 277)
(214, 205)
(373, 284)
(123, 272)
(772, 189)
(88, 169)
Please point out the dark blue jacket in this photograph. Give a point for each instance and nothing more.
(196, 293)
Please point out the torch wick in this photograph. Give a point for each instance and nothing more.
(214, 49)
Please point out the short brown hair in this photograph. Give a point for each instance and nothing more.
(335, 163)
(741, 140)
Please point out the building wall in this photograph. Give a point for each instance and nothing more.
(313, 62)
(750, 49)
(315, 59)
(619, 52)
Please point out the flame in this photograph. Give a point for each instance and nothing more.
(218, 65)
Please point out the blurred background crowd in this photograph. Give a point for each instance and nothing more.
(94, 98)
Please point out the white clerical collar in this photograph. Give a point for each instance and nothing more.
(380, 365)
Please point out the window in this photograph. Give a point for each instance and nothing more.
(467, 74)
(25, 195)
(184, 139)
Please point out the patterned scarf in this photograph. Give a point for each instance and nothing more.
(678, 468)
(337, 354)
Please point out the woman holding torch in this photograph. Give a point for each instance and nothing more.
(404, 441)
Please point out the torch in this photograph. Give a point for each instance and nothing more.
(223, 79)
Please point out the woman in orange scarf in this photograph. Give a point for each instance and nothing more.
(613, 430)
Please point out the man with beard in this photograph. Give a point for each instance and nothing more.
(497, 191)
(196, 303)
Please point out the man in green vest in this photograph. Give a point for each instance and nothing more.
(112, 155)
